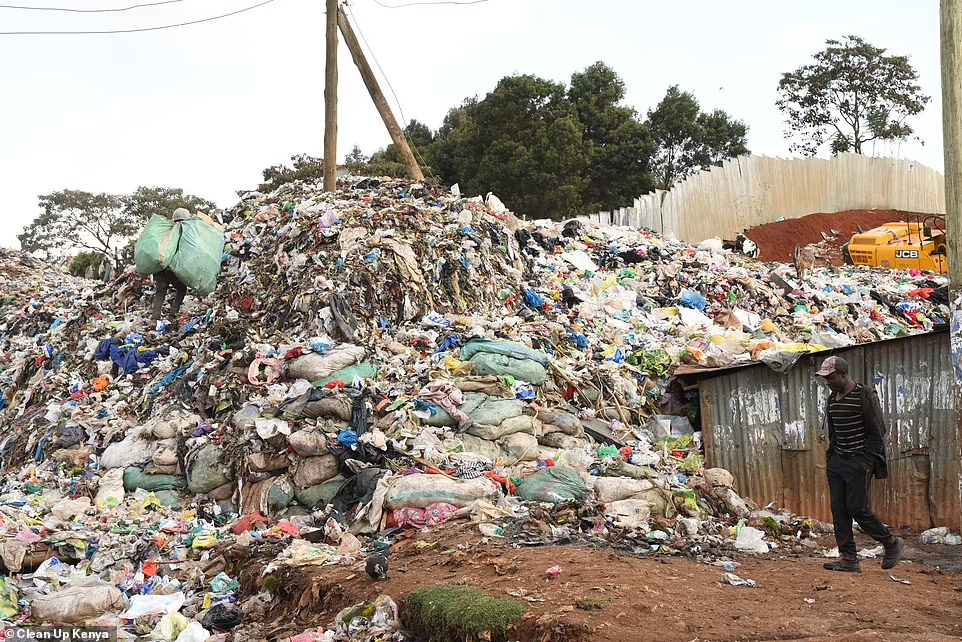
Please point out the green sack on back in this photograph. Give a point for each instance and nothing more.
(198, 257)
(157, 245)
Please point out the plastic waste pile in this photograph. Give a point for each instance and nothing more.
(386, 357)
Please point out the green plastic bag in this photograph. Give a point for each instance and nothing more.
(157, 245)
(554, 485)
(489, 363)
(366, 370)
(198, 257)
(135, 478)
(506, 348)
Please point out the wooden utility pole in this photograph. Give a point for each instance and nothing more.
(397, 134)
(330, 100)
(951, 32)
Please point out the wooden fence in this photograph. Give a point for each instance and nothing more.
(754, 190)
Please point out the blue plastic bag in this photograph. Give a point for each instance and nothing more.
(691, 299)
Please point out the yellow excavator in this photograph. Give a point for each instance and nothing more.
(918, 242)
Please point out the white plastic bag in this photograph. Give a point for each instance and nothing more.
(751, 540)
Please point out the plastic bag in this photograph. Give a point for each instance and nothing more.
(934, 535)
(198, 257)
(157, 245)
(751, 540)
(553, 485)
(422, 490)
(77, 604)
(222, 617)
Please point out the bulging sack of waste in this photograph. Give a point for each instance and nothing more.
(553, 485)
(487, 363)
(110, 492)
(157, 245)
(934, 535)
(422, 490)
(129, 452)
(510, 426)
(312, 471)
(314, 366)
(269, 497)
(266, 462)
(612, 489)
(308, 443)
(630, 513)
(320, 495)
(564, 422)
(198, 257)
(77, 604)
(206, 469)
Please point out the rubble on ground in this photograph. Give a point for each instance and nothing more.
(383, 358)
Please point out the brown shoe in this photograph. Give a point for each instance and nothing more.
(893, 554)
(846, 566)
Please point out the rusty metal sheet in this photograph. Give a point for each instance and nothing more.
(767, 429)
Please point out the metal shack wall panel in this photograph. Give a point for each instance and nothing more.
(768, 430)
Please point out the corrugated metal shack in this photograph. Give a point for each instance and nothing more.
(767, 429)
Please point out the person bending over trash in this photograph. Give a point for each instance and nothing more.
(166, 279)
(856, 453)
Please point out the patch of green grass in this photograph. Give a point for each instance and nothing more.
(462, 612)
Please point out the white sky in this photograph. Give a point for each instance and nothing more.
(207, 107)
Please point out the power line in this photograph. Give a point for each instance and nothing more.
(391, 87)
(136, 6)
(428, 4)
(140, 30)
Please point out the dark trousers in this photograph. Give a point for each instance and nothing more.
(164, 281)
(849, 481)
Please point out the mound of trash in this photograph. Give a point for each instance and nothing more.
(386, 357)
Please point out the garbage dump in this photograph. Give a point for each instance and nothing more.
(385, 357)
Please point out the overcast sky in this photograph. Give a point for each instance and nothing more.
(207, 107)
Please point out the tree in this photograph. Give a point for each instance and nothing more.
(304, 167)
(618, 146)
(147, 201)
(523, 141)
(101, 223)
(388, 161)
(75, 219)
(356, 160)
(851, 95)
(689, 140)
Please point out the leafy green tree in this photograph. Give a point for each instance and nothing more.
(147, 201)
(850, 95)
(304, 167)
(356, 160)
(73, 219)
(689, 140)
(101, 223)
(79, 264)
(524, 142)
(618, 146)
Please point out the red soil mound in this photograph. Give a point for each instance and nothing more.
(776, 241)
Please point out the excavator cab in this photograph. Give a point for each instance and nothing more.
(918, 244)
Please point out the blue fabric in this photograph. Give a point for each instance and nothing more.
(103, 351)
(348, 438)
(130, 360)
(691, 299)
(425, 405)
(173, 375)
(452, 341)
(533, 299)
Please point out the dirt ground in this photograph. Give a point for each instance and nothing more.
(776, 241)
(604, 596)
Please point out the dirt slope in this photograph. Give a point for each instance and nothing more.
(776, 241)
(602, 596)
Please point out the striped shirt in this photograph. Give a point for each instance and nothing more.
(846, 414)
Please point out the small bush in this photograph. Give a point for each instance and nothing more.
(80, 263)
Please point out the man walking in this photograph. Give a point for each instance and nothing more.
(856, 453)
(166, 279)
